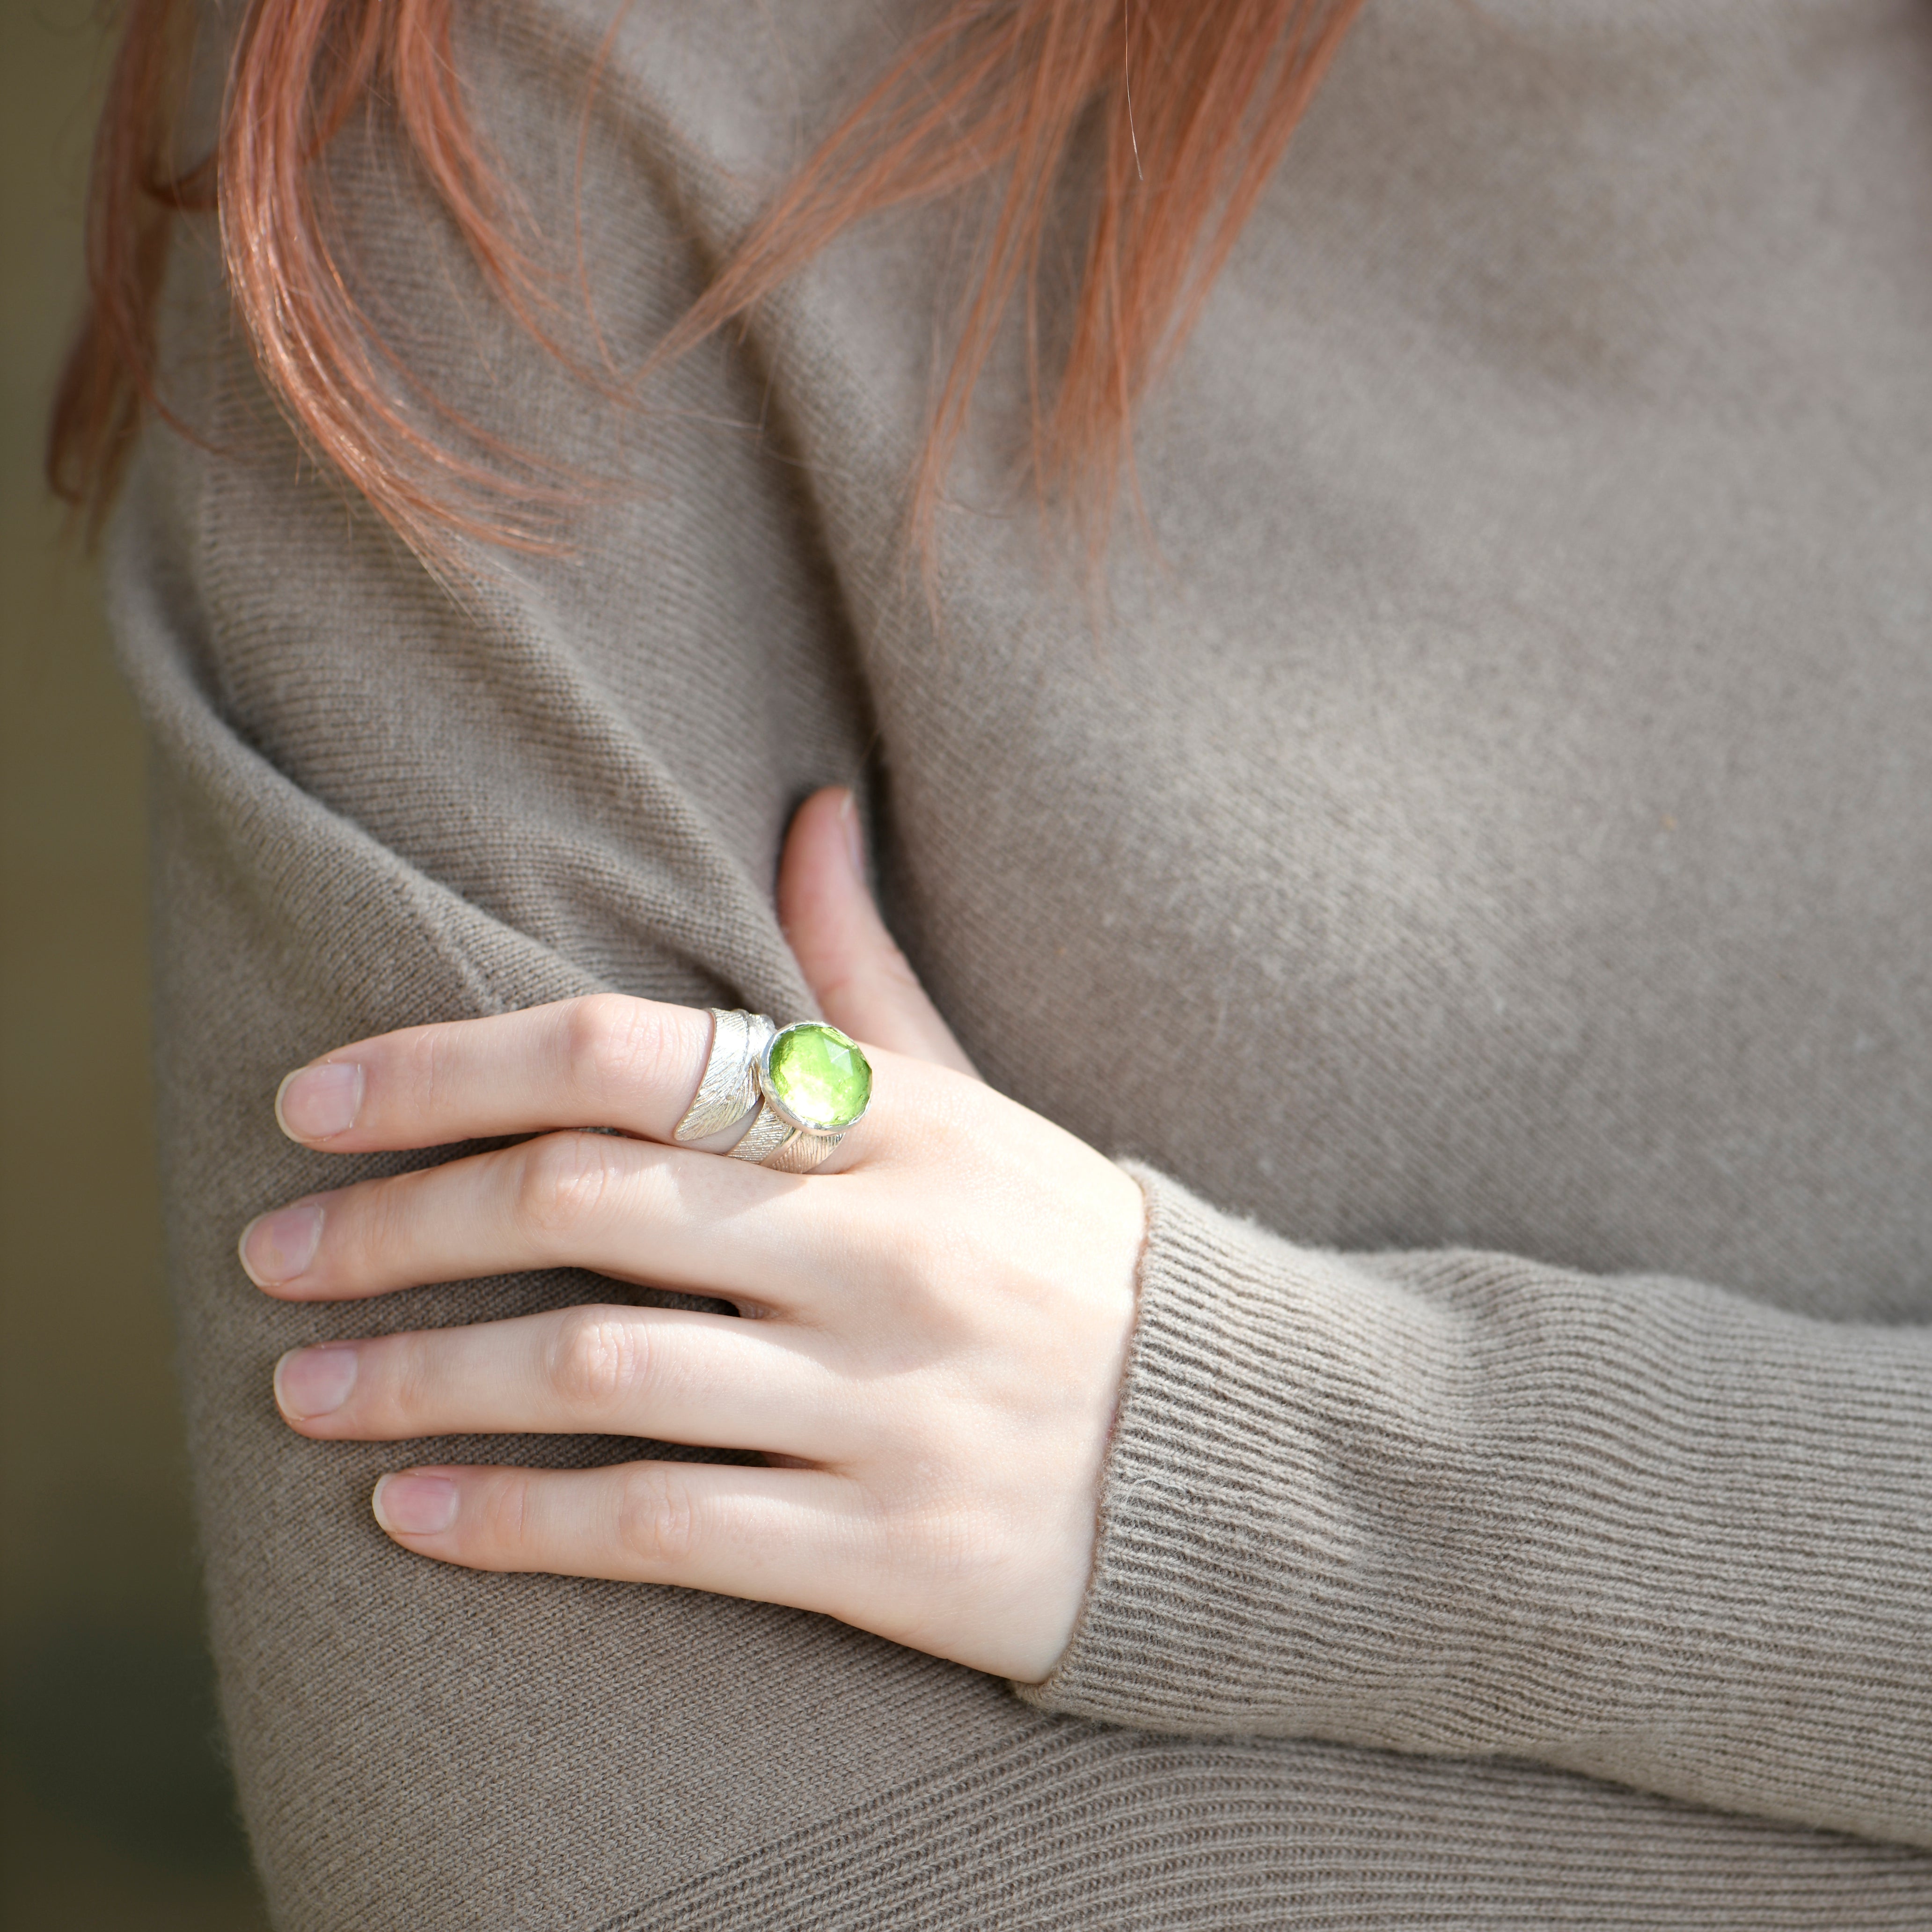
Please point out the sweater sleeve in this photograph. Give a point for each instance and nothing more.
(1463, 1503)
(378, 804)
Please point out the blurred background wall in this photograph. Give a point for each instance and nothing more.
(118, 1812)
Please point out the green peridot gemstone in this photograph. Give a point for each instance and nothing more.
(817, 1075)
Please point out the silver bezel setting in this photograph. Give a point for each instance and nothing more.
(819, 1128)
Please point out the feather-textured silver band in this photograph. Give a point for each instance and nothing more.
(772, 1142)
(729, 1090)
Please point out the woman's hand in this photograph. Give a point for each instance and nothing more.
(942, 1310)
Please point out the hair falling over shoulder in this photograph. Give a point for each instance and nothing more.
(1195, 101)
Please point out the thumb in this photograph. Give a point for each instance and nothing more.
(862, 980)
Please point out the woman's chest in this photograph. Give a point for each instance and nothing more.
(1465, 926)
(1494, 803)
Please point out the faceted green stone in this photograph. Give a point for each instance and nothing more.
(815, 1073)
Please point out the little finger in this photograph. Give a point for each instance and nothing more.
(776, 1536)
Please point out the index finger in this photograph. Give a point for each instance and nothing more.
(605, 1060)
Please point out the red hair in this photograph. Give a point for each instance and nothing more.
(1196, 101)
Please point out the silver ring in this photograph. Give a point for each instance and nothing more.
(770, 1139)
(729, 1090)
(816, 1086)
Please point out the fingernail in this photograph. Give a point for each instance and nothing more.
(276, 1247)
(415, 1505)
(310, 1382)
(855, 837)
(317, 1102)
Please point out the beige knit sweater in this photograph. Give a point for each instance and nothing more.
(1480, 864)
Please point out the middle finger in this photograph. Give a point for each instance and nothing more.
(636, 1211)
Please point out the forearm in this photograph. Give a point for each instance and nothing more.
(1464, 1504)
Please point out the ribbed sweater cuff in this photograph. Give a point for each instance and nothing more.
(1193, 1617)
(1468, 1504)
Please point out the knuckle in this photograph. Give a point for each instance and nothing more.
(657, 1515)
(614, 1047)
(418, 1068)
(503, 1521)
(432, 1069)
(376, 1226)
(562, 1180)
(405, 1380)
(597, 1357)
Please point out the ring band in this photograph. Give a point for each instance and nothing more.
(816, 1085)
(772, 1142)
(729, 1090)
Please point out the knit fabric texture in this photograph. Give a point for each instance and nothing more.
(1474, 859)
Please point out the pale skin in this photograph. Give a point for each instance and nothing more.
(941, 1312)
